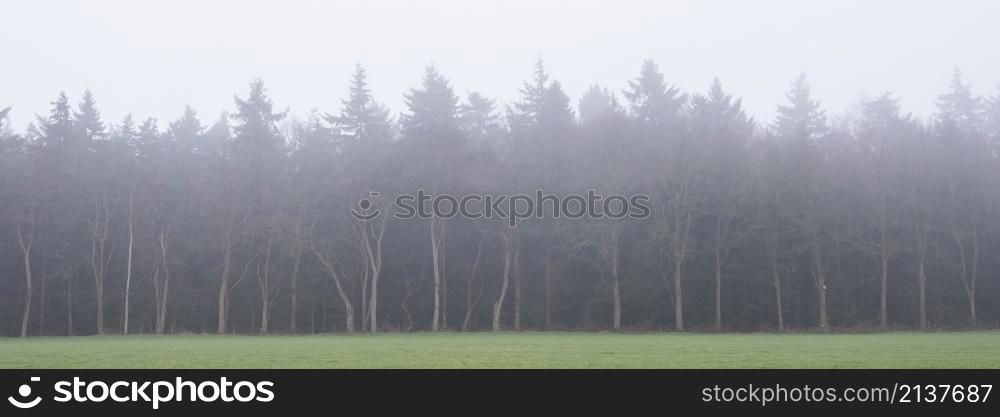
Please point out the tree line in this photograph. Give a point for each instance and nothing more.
(871, 219)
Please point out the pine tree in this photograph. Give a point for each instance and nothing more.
(801, 118)
(125, 134)
(361, 117)
(480, 121)
(528, 110)
(57, 129)
(187, 131)
(654, 103)
(88, 119)
(256, 128)
(717, 114)
(433, 110)
(596, 103)
(959, 108)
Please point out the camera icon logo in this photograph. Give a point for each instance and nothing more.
(24, 391)
(365, 210)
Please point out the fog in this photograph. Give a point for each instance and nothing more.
(153, 57)
(337, 167)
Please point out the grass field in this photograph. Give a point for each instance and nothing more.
(511, 350)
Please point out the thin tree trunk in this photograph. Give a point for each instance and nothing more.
(296, 261)
(328, 263)
(972, 285)
(371, 239)
(678, 298)
(548, 289)
(264, 278)
(616, 295)
(777, 296)
(227, 258)
(611, 241)
(884, 273)
(516, 273)
(365, 276)
(41, 298)
(69, 306)
(968, 272)
(407, 317)
(444, 287)
(161, 283)
(99, 257)
(718, 289)
(470, 278)
(682, 228)
(509, 247)
(437, 239)
(820, 280)
(25, 243)
(128, 271)
(921, 249)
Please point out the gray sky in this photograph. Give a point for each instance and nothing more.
(153, 57)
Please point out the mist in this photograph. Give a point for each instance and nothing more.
(152, 59)
(318, 167)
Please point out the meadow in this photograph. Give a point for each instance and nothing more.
(511, 350)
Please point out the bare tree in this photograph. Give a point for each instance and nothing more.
(161, 279)
(128, 262)
(471, 277)
(100, 226)
(327, 258)
(25, 239)
(511, 246)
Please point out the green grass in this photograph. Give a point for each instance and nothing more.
(511, 350)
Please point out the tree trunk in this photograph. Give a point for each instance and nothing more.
(41, 297)
(777, 297)
(516, 274)
(407, 317)
(975, 273)
(885, 251)
(968, 272)
(100, 230)
(328, 264)
(509, 247)
(678, 298)
(612, 241)
(921, 249)
(365, 277)
(372, 248)
(227, 259)
(470, 279)
(128, 271)
(820, 280)
(437, 232)
(884, 273)
(548, 289)
(682, 228)
(69, 306)
(25, 243)
(99, 289)
(264, 278)
(718, 289)
(444, 290)
(161, 283)
(616, 295)
(296, 261)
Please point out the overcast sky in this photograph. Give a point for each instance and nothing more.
(153, 57)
